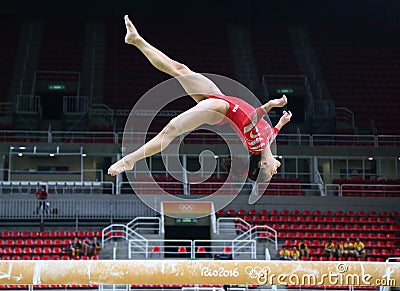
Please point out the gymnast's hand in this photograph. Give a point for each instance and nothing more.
(285, 118)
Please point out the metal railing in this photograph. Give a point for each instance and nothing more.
(121, 231)
(227, 225)
(149, 187)
(77, 209)
(258, 232)
(194, 249)
(220, 188)
(57, 187)
(379, 190)
(156, 248)
(83, 137)
(145, 225)
(75, 105)
(28, 104)
(200, 138)
(85, 175)
(246, 230)
(345, 140)
(238, 248)
(285, 189)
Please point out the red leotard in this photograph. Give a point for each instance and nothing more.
(247, 122)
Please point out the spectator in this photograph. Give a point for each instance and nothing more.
(284, 254)
(43, 206)
(95, 246)
(86, 244)
(76, 247)
(359, 249)
(348, 248)
(339, 249)
(330, 249)
(295, 254)
(303, 248)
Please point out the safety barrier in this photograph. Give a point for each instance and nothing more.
(200, 138)
(56, 187)
(233, 272)
(77, 209)
(376, 190)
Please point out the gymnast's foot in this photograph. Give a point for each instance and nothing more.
(132, 36)
(119, 167)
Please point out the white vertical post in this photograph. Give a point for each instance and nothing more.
(118, 178)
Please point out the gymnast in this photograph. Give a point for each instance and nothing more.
(214, 108)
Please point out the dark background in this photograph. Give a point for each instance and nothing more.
(239, 10)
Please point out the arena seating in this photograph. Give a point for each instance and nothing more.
(378, 230)
(278, 186)
(374, 187)
(7, 56)
(61, 45)
(41, 245)
(128, 73)
(273, 50)
(360, 61)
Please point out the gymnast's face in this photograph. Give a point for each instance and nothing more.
(268, 168)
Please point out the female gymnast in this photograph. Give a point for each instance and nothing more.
(213, 107)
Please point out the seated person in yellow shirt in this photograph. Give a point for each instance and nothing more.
(359, 249)
(284, 254)
(303, 248)
(348, 248)
(339, 249)
(330, 249)
(295, 254)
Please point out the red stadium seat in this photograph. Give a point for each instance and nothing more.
(15, 234)
(17, 250)
(25, 234)
(227, 250)
(27, 250)
(155, 249)
(182, 249)
(37, 250)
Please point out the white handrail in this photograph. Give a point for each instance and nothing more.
(142, 223)
(251, 232)
(116, 137)
(119, 231)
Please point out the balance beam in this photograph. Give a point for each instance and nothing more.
(253, 272)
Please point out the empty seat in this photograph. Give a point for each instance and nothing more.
(155, 249)
(182, 249)
(227, 250)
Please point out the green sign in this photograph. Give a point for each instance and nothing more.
(186, 220)
(284, 90)
(57, 87)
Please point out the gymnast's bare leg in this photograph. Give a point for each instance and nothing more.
(210, 111)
